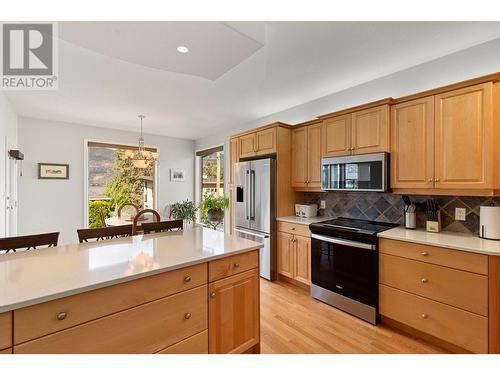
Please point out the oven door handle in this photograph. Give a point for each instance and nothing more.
(339, 241)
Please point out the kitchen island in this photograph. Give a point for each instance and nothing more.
(190, 291)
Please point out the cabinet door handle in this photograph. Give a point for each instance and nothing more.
(236, 265)
(187, 316)
(424, 253)
(430, 180)
(436, 180)
(62, 315)
(424, 280)
(187, 279)
(212, 295)
(424, 316)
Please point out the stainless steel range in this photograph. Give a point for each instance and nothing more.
(344, 265)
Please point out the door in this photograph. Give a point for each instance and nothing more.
(285, 254)
(302, 247)
(412, 144)
(299, 157)
(247, 147)
(337, 136)
(242, 194)
(370, 130)
(464, 124)
(11, 204)
(314, 156)
(234, 313)
(266, 141)
(261, 204)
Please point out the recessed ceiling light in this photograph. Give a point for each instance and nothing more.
(182, 49)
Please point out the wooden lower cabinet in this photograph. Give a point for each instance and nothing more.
(302, 261)
(294, 253)
(5, 330)
(6, 351)
(285, 254)
(197, 344)
(234, 325)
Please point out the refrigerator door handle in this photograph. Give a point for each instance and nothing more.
(247, 195)
(252, 195)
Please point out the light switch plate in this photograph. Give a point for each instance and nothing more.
(460, 213)
(322, 204)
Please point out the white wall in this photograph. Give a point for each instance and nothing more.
(470, 63)
(8, 129)
(46, 205)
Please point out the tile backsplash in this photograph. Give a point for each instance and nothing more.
(389, 208)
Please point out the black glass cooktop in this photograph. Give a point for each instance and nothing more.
(358, 225)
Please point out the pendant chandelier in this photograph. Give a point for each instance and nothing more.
(141, 158)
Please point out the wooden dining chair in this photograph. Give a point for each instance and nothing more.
(135, 208)
(28, 242)
(106, 233)
(155, 214)
(162, 226)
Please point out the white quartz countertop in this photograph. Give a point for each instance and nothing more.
(35, 276)
(303, 220)
(452, 240)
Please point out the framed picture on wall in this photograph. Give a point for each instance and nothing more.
(49, 171)
(177, 175)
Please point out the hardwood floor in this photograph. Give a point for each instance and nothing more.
(293, 322)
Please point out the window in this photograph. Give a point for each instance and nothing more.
(212, 171)
(113, 181)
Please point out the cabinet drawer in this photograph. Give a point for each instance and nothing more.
(197, 344)
(465, 290)
(298, 229)
(461, 260)
(462, 328)
(42, 319)
(221, 268)
(143, 329)
(5, 329)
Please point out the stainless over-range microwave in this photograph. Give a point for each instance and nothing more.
(367, 172)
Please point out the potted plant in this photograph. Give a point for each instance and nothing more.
(212, 209)
(185, 210)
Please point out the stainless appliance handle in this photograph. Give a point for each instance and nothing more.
(247, 194)
(252, 195)
(251, 233)
(339, 241)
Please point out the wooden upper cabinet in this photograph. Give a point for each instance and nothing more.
(314, 155)
(302, 259)
(246, 145)
(464, 136)
(336, 136)
(234, 157)
(412, 144)
(265, 142)
(370, 130)
(299, 157)
(234, 313)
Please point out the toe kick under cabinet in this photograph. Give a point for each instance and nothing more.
(446, 294)
(211, 307)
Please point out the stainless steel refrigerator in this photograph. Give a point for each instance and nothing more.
(254, 208)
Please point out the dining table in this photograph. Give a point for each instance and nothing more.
(124, 220)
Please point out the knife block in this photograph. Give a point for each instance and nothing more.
(434, 226)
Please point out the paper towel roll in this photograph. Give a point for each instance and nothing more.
(489, 222)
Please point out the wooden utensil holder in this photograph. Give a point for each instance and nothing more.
(434, 226)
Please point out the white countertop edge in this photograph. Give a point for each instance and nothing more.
(400, 234)
(120, 280)
(303, 220)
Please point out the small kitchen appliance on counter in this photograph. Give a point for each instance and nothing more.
(306, 210)
(489, 222)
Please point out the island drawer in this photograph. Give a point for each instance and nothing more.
(197, 344)
(298, 229)
(461, 328)
(220, 268)
(143, 329)
(49, 317)
(466, 290)
(5, 329)
(461, 260)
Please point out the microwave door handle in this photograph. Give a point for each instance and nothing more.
(252, 195)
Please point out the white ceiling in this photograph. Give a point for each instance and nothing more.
(251, 69)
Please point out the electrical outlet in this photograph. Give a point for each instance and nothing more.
(322, 204)
(460, 214)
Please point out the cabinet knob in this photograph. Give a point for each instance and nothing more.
(424, 316)
(212, 295)
(236, 265)
(436, 180)
(62, 315)
(424, 280)
(424, 253)
(187, 316)
(430, 180)
(187, 279)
